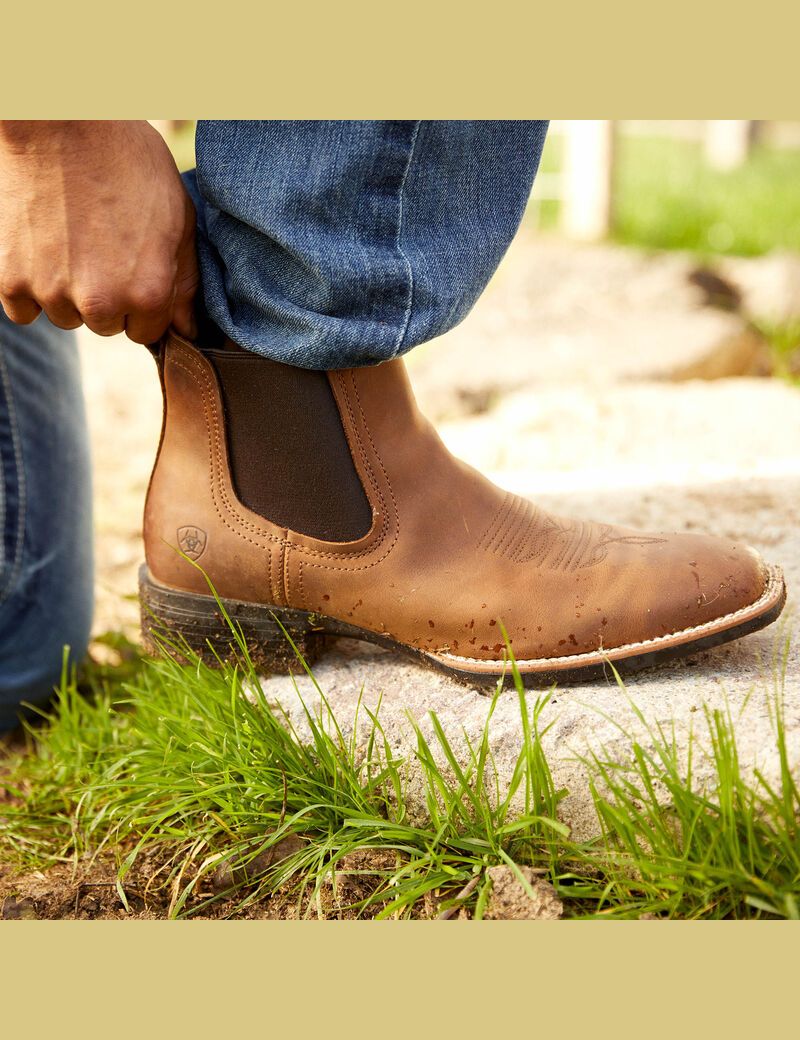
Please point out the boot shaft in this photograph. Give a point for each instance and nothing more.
(257, 458)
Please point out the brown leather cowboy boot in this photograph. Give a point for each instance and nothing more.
(327, 502)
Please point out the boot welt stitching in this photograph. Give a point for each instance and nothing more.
(774, 583)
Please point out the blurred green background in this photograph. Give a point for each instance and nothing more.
(667, 188)
(667, 195)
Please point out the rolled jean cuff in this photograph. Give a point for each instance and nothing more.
(335, 244)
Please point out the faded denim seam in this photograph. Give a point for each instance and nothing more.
(398, 243)
(11, 568)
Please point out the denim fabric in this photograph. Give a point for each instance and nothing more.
(46, 579)
(330, 244)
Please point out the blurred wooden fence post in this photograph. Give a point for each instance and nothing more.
(727, 142)
(586, 209)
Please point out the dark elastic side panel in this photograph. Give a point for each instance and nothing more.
(289, 456)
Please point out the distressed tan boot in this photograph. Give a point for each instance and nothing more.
(327, 502)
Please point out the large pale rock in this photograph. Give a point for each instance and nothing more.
(740, 677)
(559, 313)
(769, 285)
(634, 434)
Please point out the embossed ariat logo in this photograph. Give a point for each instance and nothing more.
(192, 541)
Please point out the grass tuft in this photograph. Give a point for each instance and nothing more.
(188, 771)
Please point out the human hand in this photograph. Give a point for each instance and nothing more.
(96, 228)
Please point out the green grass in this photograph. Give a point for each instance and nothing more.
(783, 339)
(176, 767)
(667, 197)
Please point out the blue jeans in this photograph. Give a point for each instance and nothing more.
(322, 244)
(46, 579)
(333, 244)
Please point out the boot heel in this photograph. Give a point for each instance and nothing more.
(172, 618)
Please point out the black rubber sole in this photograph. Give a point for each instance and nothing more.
(173, 618)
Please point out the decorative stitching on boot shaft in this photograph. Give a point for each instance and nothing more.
(199, 377)
(522, 533)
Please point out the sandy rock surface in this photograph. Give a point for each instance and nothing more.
(741, 675)
(769, 286)
(570, 387)
(557, 314)
(510, 900)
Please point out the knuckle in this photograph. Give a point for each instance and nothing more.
(152, 297)
(95, 306)
(55, 299)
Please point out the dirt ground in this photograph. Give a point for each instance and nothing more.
(88, 891)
